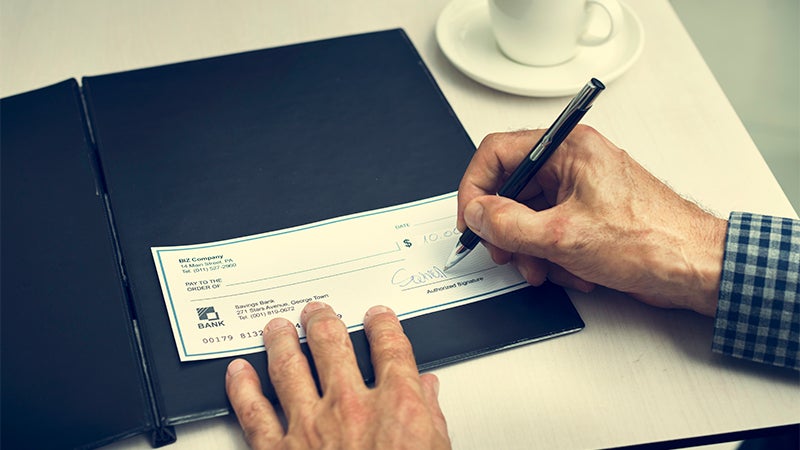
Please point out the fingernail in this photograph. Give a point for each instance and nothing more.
(278, 322)
(377, 309)
(313, 306)
(236, 366)
(473, 215)
(374, 311)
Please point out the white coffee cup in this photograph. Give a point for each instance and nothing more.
(550, 32)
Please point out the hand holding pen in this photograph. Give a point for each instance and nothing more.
(593, 216)
(538, 155)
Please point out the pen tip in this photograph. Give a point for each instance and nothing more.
(458, 253)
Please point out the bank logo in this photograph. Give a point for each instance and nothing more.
(210, 317)
(207, 313)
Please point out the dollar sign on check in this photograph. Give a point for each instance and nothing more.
(407, 242)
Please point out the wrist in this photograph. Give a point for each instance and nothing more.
(705, 266)
(684, 263)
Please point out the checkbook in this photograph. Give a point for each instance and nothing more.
(220, 295)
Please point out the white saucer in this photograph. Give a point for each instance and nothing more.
(465, 37)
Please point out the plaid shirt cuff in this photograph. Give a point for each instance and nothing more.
(758, 314)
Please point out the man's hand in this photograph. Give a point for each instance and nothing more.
(593, 216)
(400, 411)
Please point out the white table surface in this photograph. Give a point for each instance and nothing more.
(636, 374)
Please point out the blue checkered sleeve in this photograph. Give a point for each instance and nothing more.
(758, 314)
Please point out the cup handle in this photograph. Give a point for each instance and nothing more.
(615, 18)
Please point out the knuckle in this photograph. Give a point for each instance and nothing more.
(504, 228)
(556, 237)
(391, 351)
(283, 363)
(383, 327)
(394, 365)
(392, 347)
(498, 218)
(492, 140)
(584, 133)
(502, 139)
(408, 399)
(351, 403)
(565, 240)
(325, 328)
(277, 336)
(585, 141)
(582, 129)
(583, 138)
(251, 416)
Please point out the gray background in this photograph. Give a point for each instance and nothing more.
(753, 49)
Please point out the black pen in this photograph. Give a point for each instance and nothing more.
(545, 147)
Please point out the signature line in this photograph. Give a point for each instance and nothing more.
(449, 279)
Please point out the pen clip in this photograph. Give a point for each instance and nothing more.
(537, 151)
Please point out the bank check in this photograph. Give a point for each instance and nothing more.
(219, 295)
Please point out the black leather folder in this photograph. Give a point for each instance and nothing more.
(94, 175)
